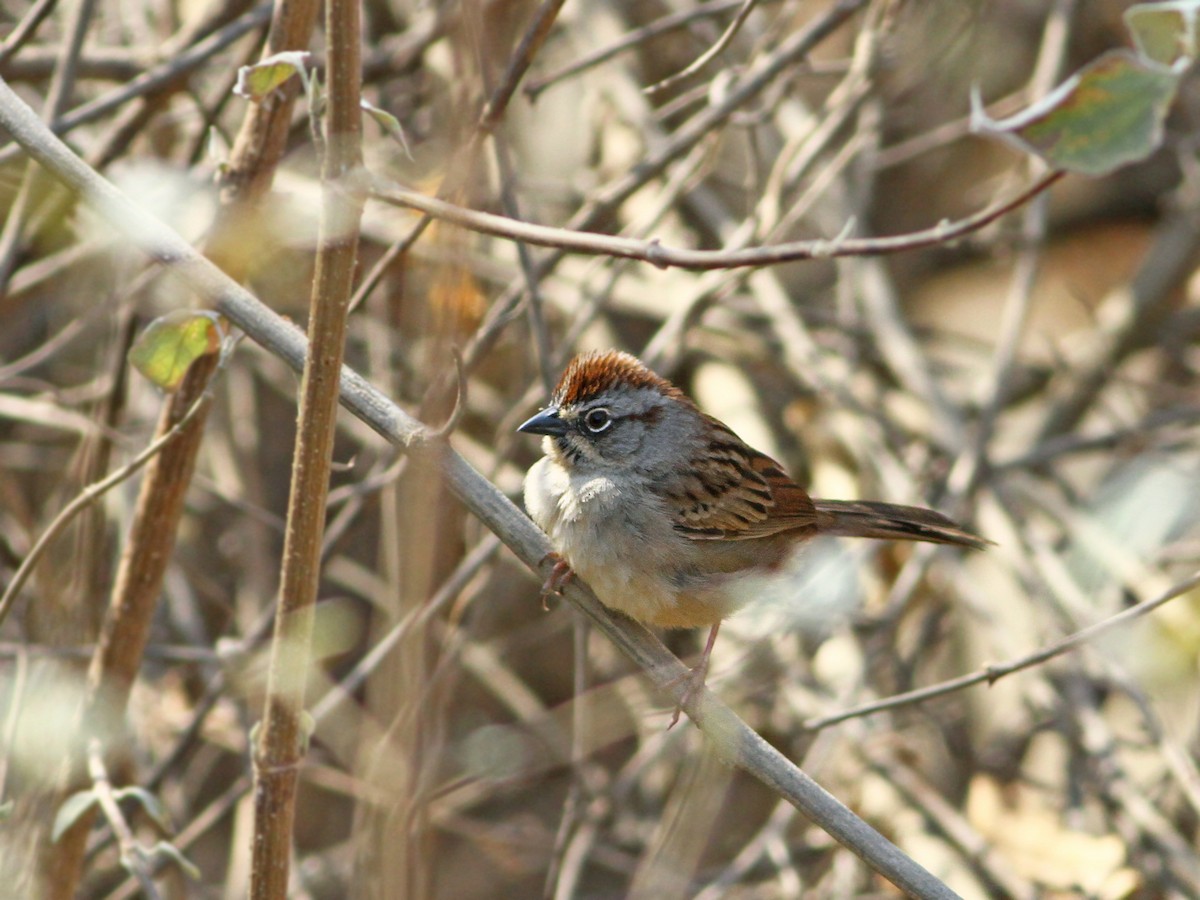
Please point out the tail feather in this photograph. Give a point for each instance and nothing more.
(888, 521)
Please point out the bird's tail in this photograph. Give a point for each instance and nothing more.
(867, 518)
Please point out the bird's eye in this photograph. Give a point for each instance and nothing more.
(597, 420)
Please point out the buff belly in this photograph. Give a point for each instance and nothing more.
(636, 564)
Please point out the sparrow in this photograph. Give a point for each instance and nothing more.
(666, 513)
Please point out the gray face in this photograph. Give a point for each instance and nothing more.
(634, 432)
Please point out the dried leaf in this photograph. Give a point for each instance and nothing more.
(1107, 115)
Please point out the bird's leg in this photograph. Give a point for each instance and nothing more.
(558, 578)
(695, 676)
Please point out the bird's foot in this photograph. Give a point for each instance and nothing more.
(693, 681)
(560, 575)
(694, 677)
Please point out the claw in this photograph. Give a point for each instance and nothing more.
(694, 678)
(559, 577)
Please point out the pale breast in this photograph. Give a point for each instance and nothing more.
(628, 551)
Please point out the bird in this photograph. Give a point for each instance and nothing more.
(666, 513)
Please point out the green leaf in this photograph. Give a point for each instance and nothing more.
(388, 123)
(163, 848)
(6, 810)
(1107, 115)
(170, 344)
(149, 802)
(256, 82)
(1165, 33)
(68, 814)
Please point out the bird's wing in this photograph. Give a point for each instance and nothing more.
(733, 492)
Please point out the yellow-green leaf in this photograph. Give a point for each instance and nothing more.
(1165, 33)
(170, 344)
(388, 123)
(256, 82)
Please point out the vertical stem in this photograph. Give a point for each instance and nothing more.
(282, 737)
(135, 593)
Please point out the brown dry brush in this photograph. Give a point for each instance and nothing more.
(1036, 379)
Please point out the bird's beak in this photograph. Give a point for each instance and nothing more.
(545, 422)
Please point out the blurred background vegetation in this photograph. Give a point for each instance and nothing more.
(1036, 380)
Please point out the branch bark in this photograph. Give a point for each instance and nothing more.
(283, 734)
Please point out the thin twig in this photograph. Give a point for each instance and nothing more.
(972, 462)
(531, 42)
(185, 61)
(711, 53)
(631, 39)
(133, 857)
(991, 674)
(79, 18)
(83, 500)
(26, 28)
(662, 256)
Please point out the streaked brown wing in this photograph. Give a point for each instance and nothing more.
(743, 494)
